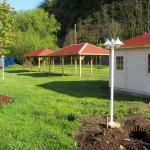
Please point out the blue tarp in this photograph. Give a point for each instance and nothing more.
(10, 61)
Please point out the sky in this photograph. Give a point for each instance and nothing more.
(24, 4)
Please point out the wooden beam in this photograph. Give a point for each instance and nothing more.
(80, 65)
(39, 61)
(62, 65)
(91, 64)
(30, 63)
(44, 64)
(75, 60)
(49, 63)
(96, 60)
(71, 60)
(53, 63)
(100, 61)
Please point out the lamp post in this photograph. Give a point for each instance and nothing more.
(112, 45)
(3, 66)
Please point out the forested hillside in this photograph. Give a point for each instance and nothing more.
(98, 19)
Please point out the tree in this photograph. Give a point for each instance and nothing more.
(35, 29)
(113, 30)
(111, 18)
(7, 15)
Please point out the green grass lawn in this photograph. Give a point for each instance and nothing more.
(47, 107)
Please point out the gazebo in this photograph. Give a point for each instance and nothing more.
(78, 52)
(40, 54)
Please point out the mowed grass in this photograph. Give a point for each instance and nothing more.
(47, 108)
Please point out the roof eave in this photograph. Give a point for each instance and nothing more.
(92, 54)
(133, 47)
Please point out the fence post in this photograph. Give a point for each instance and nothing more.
(3, 66)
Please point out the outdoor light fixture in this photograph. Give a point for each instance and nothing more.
(112, 45)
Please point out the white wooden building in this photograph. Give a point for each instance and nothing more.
(132, 65)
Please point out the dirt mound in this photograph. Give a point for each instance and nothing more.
(134, 135)
(5, 99)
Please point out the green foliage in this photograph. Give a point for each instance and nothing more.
(113, 30)
(101, 18)
(7, 15)
(89, 39)
(35, 29)
(70, 37)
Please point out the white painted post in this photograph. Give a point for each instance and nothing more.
(112, 86)
(3, 67)
(112, 44)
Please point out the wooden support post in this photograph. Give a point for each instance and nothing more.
(53, 63)
(44, 64)
(62, 65)
(71, 60)
(96, 60)
(49, 63)
(75, 60)
(23, 62)
(39, 60)
(80, 65)
(91, 63)
(100, 61)
(30, 63)
(60, 60)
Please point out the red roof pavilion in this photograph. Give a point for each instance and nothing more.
(38, 53)
(80, 49)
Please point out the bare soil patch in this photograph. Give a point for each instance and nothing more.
(133, 135)
(5, 99)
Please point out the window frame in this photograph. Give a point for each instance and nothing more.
(120, 63)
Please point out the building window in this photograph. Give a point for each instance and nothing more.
(119, 63)
(148, 63)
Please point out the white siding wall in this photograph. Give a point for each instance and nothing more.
(135, 77)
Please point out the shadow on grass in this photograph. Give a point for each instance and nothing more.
(90, 88)
(79, 89)
(41, 74)
(17, 71)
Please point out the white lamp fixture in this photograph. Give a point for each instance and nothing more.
(112, 44)
(107, 44)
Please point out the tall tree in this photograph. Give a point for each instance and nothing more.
(35, 29)
(7, 15)
(113, 17)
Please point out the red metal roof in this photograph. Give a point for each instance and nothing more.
(80, 49)
(38, 53)
(141, 40)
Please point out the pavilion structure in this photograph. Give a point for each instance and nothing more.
(41, 54)
(78, 52)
